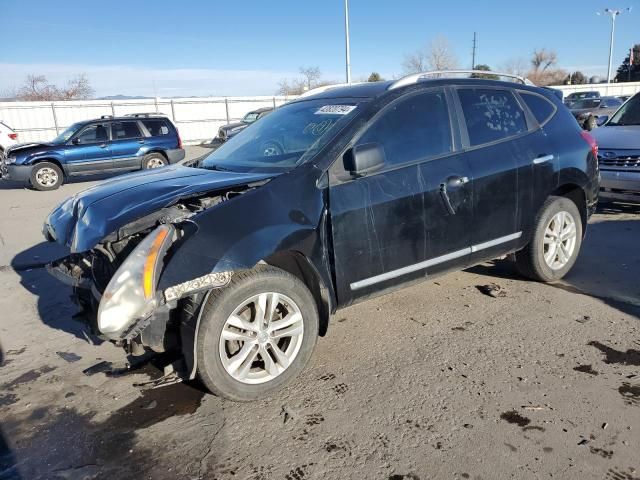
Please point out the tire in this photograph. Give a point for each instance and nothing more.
(217, 357)
(154, 160)
(531, 261)
(46, 176)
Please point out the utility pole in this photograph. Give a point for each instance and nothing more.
(346, 36)
(614, 14)
(473, 53)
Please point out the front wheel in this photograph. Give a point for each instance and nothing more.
(556, 242)
(46, 176)
(256, 334)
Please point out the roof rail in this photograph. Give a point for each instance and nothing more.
(145, 114)
(324, 88)
(416, 77)
(102, 117)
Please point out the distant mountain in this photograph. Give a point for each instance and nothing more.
(122, 97)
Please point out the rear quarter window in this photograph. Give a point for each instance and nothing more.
(156, 127)
(491, 115)
(540, 107)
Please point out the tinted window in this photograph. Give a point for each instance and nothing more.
(541, 108)
(629, 113)
(123, 130)
(491, 115)
(412, 129)
(156, 127)
(611, 102)
(93, 134)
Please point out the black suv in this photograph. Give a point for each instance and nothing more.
(237, 263)
(108, 144)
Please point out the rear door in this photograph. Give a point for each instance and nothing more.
(88, 151)
(499, 151)
(394, 225)
(126, 144)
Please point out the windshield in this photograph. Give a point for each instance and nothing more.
(250, 117)
(585, 103)
(290, 135)
(628, 114)
(67, 134)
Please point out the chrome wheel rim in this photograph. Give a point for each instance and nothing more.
(261, 338)
(560, 240)
(46, 177)
(155, 163)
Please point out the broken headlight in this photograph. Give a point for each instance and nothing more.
(131, 293)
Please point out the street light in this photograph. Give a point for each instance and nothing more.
(346, 36)
(613, 12)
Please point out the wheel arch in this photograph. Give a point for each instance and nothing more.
(301, 267)
(53, 160)
(577, 195)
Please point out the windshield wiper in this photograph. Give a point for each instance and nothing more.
(218, 168)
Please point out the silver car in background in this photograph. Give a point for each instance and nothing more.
(619, 153)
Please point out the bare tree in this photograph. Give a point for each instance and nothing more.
(543, 68)
(438, 55)
(37, 88)
(515, 66)
(311, 76)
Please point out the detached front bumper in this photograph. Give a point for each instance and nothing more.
(620, 185)
(16, 173)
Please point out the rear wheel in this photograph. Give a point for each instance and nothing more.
(556, 241)
(154, 160)
(256, 334)
(46, 176)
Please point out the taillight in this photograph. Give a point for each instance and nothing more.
(591, 141)
(13, 136)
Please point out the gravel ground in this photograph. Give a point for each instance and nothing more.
(438, 380)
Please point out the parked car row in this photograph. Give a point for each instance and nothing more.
(232, 129)
(235, 264)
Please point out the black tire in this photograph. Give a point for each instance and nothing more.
(46, 176)
(219, 307)
(154, 160)
(530, 260)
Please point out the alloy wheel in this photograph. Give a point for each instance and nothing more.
(560, 240)
(46, 177)
(261, 338)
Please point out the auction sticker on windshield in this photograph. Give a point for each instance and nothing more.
(335, 110)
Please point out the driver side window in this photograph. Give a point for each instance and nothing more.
(93, 134)
(412, 129)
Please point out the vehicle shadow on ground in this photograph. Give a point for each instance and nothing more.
(54, 304)
(13, 185)
(608, 265)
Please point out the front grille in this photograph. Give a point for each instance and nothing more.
(622, 161)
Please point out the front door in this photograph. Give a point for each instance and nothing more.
(88, 151)
(127, 141)
(413, 216)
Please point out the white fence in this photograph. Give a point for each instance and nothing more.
(197, 119)
(614, 89)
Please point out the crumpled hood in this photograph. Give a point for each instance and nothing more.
(617, 138)
(81, 221)
(28, 148)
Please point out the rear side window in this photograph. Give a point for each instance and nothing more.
(124, 130)
(156, 128)
(541, 108)
(491, 115)
(413, 129)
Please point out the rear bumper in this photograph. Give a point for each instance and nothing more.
(175, 155)
(16, 173)
(620, 185)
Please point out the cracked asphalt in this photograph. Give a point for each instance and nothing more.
(439, 380)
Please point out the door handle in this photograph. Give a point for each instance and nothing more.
(103, 145)
(542, 159)
(140, 141)
(451, 182)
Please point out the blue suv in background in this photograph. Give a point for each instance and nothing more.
(108, 144)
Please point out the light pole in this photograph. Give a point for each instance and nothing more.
(346, 38)
(613, 12)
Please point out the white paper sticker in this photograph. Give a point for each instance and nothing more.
(335, 110)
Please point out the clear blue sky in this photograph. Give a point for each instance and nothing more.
(239, 47)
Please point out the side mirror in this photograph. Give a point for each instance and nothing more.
(75, 141)
(601, 120)
(364, 159)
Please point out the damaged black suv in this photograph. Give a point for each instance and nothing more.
(237, 262)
